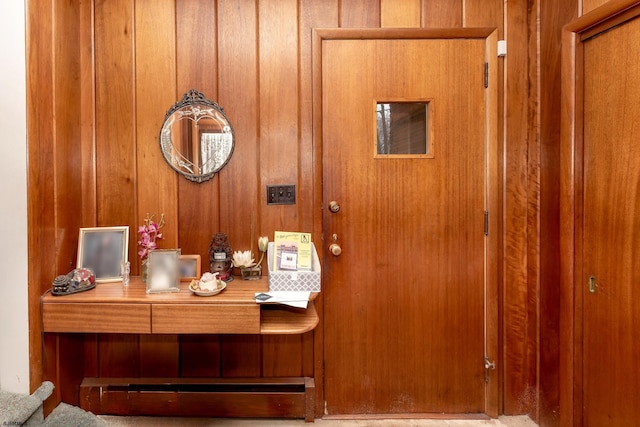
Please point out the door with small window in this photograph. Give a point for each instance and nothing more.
(409, 152)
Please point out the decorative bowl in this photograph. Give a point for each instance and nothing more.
(194, 287)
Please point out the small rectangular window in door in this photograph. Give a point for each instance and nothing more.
(402, 130)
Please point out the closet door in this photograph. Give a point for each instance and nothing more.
(600, 218)
(611, 235)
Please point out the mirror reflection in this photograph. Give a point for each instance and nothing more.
(196, 138)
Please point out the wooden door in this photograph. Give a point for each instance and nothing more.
(406, 299)
(611, 235)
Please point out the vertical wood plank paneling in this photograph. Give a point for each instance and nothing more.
(553, 17)
(159, 356)
(88, 151)
(441, 13)
(67, 147)
(400, 13)
(269, 102)
(359, 14)
(155, 59)
(239, 203)
(531, 390)
(91, 353)
(116, 153)
(196, 41)
(282, 356)
(157, 183)
(279, 150)
(238, 94)
(42, 234)
(278, 91)
(67, 142)
(199, 356)
(312, 14)
(87, 112)
(241, 356)
(119, 356)
(519, 295)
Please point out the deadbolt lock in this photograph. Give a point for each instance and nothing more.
(334, 207)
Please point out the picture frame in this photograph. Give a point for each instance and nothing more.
(189, 267)
(163, 271)
(103, 250)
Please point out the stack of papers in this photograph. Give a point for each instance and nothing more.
(293, 299)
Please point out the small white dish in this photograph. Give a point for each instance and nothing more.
(193, 287)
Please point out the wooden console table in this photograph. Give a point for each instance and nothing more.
(112, 308)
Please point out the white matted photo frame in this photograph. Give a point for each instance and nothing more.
(189, 267)
(163, 272)
(103, 250)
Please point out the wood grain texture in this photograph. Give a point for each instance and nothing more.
(115, 117)
(358, 14)
(278, 91)
(442, 13)
(157, 186)
(87, 111)
(611, 375)
(155, 59)
(216, 50)
(552, 18)
(277, 320)
(573, 180)
(590, 5)
(119, 355)
(313, 14)
(279, 147)
(197, 68)
(67, 142)
(400, 13)
(205, 319)
(159, 355)
(41, 176)
(519, 295)
(88, 317)
(199, 356)
(363, 331)
(241, 204)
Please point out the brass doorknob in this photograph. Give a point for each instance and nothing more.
(335, 249)
(334, 206)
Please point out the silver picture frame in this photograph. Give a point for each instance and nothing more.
(163, 271)
(103, 250)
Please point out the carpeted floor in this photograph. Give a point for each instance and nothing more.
(112, 421)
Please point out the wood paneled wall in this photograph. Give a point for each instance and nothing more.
(101, 75)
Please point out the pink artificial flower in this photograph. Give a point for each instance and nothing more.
(149, 233)
(143, 253)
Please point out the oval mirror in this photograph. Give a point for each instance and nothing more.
(196, 138)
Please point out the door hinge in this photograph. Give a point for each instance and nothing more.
(486, 223)
(486, 75)
(488, 366)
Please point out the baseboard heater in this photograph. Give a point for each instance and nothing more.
(291, 397)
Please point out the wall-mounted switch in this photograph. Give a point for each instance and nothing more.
(281, 194)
